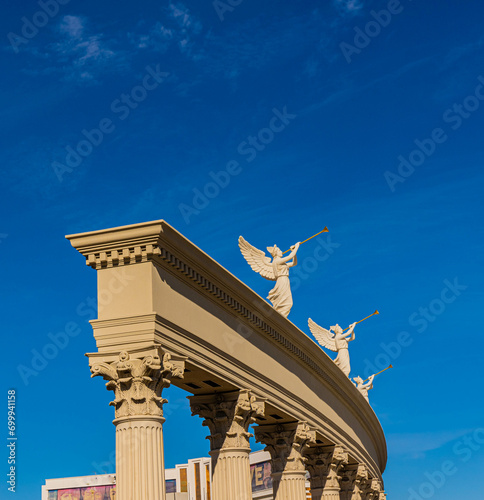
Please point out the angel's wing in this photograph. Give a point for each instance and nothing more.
(323, 336)
(257, 259)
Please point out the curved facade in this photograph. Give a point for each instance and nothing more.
(169, 314)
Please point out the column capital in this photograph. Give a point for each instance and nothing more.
(325, 464)
(354, 479)
(286, 443)
(137, 379)
(228, 417)
(371, 489)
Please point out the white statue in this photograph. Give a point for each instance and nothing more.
(364, 388)
(276, 270)
(337, 342)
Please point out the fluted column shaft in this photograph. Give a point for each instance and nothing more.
(231, 474)
(140, 467)
(289, 485)
(228, 417)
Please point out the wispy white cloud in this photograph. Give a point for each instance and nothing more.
(158, 38)
(72, 26)
(79, 55)
(183, 18)
(85, 55)
(178, 28)
(348, 6)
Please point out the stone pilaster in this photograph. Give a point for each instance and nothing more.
(287, 444)
(325, 465)
(228, 417)
(137, 383)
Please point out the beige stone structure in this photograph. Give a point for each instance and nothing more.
(169, 314)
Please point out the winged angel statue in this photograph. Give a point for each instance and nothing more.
(335, 342)
(276, 270)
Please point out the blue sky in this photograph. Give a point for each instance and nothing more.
(380, 139)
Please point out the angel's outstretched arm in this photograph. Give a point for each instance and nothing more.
(351, 332)
(293, 263)
(292, 254)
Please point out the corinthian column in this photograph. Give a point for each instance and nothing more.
(137, 384)
(325, 465)
(228, 417)
(287, 443)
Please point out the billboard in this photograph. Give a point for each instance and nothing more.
(261, 476)
(170, 485)
(89, 493)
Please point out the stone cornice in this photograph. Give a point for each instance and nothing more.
(160, 243)
(119, 246)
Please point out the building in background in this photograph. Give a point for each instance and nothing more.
(190, 481)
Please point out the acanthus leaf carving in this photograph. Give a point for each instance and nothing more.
(228, 417)
(371, 489)
(325, 465)
(287, 444)
(138, 383)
